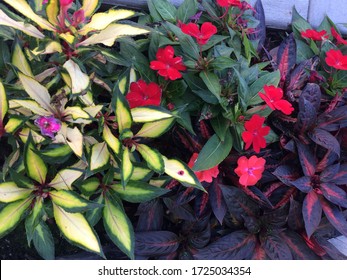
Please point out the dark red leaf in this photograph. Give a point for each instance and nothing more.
(276, 217)
(312, 94)
(303, 184)
(335, 216)
(334, 194)
(259, 253)
(188, 141)
(258, 195)
(307, 159)
(186, 195)
(150, 216)
(155, 243)
(217, 202)
(311, 212)
(200, 239)
(297, 246)
(238, 245)
(330, 249)
(307, 116)
(260, 31)
(341, 177)
(287, 174)
(184, 212)
(301, 74)
(328, 159)
(275, 247)
(334, 120)
(201, 205)
(326, 140)
(295, 219)
(286, 56)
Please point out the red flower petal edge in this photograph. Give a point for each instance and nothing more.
(250, 170)
(205, 175)
(336, 59)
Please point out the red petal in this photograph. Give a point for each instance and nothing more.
(267, 100)
(208, 29)
(284, 106)
(157, 65)
(273, 92)
(173, 74)
(191, 29)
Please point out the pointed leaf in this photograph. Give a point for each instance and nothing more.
(182, 173)
(312, 212)
(138, 192)
(113, 32)
(52, 10)
(166, 10)
(71, 202)
(100, 156)
(79, 80)
(36, 91)
(118, 226)
(335, 216)
(11, 214)
(111, 140)
(211, 80)
(35, 217)
(150, 114)
(9, 192)
(156, 243)
(76, 229)
(24, 27)
(217, 202)
(341, 177)
(214, 152)
(307, 159)
(234, 246)
(275, 248)
(64, 179)
(90, 6)
(35, 167)
(19, 60)
(155, 129)
(122, 111)
(326, 140)
(303, 184)
(286, 56)
(127, 167)
(334, 194)
(44, 242)
(32, 105)
(75, 141)
(76, 113)
(93, 216)
(186, 10)
(3, 104)
(153, 158)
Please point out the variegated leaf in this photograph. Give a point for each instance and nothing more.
(150, 114)
(64, 179)
(71, 202)
(19, 60)
(100, 156)
(153, 158)
(89, 7)
(9, 192)
(79, 80)
(155, 129)
(111, 140)
(3, 104)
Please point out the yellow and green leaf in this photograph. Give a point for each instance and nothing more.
(3, 103)
(111, 140)
(118, 226)
(150, 114)
(32, 105)
(153, 158)
(89, 186)
(52, 10)
(127, 167)
(13, 123)
(34, 165)
(9, 192)
(34, 218)
(77, 230)
(11, 215)
(139, 173)
(64, 179)
(100, 156)
(155, 129)
(122, 112)
(19, 60)
(79, 80)
(182, 173)
(75, 141)
(51, 47)
(89, 7)
(76, 112)
(138, 192)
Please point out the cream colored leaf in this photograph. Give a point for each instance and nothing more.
(19, 60)
(9, 192)
(32, 105)
(79, 80)
(3, 104)
(64, 179)
(89, 6)
(100, 156)
(75, 140)
(51, 47)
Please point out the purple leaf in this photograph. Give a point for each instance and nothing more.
(155, 243)
(217, 202)
(312, 94)
(275, 247)
(201, 205)
(200, 239)
(287, 174)
(307, 159)
(312, 212)
(334, 120)
(341, 177)
(335, 216)
(300, 75)
(329, 173)
(303, 184)
(334, 194)
(326, 140)
(259, 253)
(295, 219)
(184, 212)
(150, 216)
(286, 56)
(238, 245)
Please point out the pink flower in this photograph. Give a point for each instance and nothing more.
(48, 125)
(143, 94)
(65, 2)
(255, 133)
(202, 36)
(167, 65)
(314, 35)
(250, 170)
(205, 175)
(273, 98)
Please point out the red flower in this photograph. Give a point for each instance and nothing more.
(142, 94)
(65, 2)
(250, 170)
(314, 35)
(273, 98)
(205, 175)
(202, 37)
(255, 133)
(230, 3)
(167, 65)
(336, 59)
(337, 36)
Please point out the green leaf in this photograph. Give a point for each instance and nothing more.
(139, 173)
(153, 158)
(182, 173)
(150, 114)
(243, 91)
(118, 226)
(77, 230)
(299, 24)
(56, 153)
(221, 62)
(71, 202)
(220, 125)
(138, 192)
(19, 60)
(111, 140)
(127, 167)
(44, 242)
(34, 219)
(89, 186)
(122, 112)
(100, 156)
(166, 10)
(9, 192)
(93, 216)
(3, 104)
(186, 10)
(155, 129)
(213, 152)
(11, 215)
(211, 80)
(34, 165)
(64, 179)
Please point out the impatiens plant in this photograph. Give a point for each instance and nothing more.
(175, 134)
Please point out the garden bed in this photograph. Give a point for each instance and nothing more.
(181, 133)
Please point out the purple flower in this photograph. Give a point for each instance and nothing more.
(48, 125)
